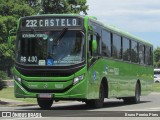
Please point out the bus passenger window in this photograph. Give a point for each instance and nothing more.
(106, 44)
(116, 48)
(134, 52)
(148, 55)
(126, 49)
(141, 54)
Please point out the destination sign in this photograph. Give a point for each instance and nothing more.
(51, 22)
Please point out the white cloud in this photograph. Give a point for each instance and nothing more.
(131, 15)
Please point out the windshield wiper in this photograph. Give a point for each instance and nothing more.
(60, 35)
(35, 34)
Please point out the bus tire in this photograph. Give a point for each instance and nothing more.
(45, 103)
(136, 98)
(97, 103)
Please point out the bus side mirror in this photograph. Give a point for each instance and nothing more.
(11, 36)
(94, 46)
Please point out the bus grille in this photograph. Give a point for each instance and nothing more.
(45, 74)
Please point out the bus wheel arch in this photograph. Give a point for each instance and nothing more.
(103, 93)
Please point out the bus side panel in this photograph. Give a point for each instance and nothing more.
(95, 73)
(121, 76)
(126, 75)
(117, 74)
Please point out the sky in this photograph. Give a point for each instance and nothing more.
(139, 17)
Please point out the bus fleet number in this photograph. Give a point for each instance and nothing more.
(31, 23)
(31, 59)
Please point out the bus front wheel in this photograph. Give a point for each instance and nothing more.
(45, 103)
(97, 103)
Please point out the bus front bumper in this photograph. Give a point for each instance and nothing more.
(77, 91)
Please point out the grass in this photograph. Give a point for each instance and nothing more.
(156, 87)
(8, 93)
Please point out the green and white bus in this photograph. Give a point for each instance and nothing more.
(74, 57)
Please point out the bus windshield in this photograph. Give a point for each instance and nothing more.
(50, 48)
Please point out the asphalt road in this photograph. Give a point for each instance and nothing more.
(149, 105)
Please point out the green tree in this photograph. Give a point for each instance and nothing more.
(157, 54)
(60, 6)
(77, 6)
(2, 77)
(10, 12)
(157, 57)
(34, 4)
(55, 6)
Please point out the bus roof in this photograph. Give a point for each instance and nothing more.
(107, 26)
(119, 31)
(61, 15)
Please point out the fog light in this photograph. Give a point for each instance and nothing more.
(78, 79)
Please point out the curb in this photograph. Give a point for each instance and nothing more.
(10, 102)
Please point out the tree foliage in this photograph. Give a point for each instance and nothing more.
(2, 77)
(60, 6)
(157, 57)
(12, 10)
(77, 6)
(157, 54)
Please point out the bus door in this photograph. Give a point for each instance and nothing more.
(93, 66)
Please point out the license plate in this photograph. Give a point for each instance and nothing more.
(45, 95)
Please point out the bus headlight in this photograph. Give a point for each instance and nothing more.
(78, 79)
(18, 79)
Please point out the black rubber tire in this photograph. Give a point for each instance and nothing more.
(136, 98)
(45, 103)
(97, 103)
(137, 94)
(156, 81)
